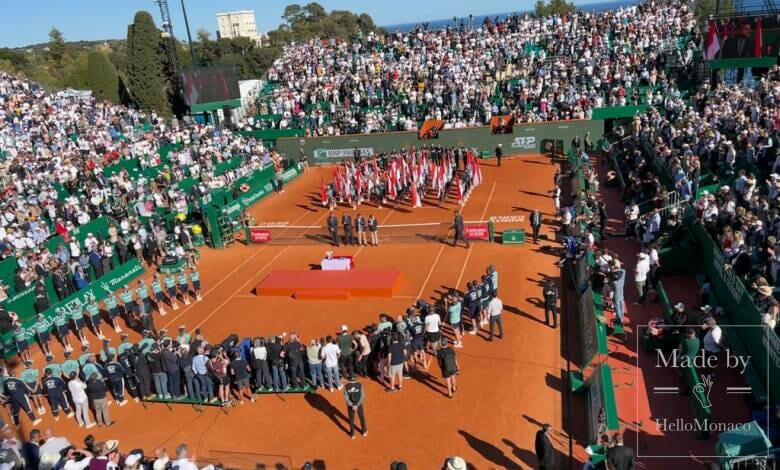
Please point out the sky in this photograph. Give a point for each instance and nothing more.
(29, 21)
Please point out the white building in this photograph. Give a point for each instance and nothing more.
(237, 24)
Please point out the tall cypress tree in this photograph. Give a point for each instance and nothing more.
(102, 77)
(144, 64)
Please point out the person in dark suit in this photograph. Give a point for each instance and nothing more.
(620, 457)
(740, 44)
(333, 228)
(20, 283)
(544, 449)
(499, 153)
(550, 293)
(31, 449)
(349, 235)
(457, 224)
(536, 224)
(60, 285)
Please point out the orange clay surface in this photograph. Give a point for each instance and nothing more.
(506, 388)
(313, 284)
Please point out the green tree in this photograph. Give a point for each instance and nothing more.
(314, 12)
(145, 64)
(57, 48)
(554, 7)
(293, 14)
(704, 8)
(103, 78)
(76, 71)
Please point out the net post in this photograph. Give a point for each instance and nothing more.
(247, 239)
(491, 230)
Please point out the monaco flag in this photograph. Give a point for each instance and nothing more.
(459, 188)
(415, 196)
(712, 44)
(323, 193)
(758, 43)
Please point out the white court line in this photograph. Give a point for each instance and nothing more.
(428, 277)
(250, 280)
(468, 255)
(225, 278)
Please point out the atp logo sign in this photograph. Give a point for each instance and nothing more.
(525, 143)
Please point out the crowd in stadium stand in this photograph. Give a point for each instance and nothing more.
(536, 69)
(55, 150)
(728, 137)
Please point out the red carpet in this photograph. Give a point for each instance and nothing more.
(326, 285)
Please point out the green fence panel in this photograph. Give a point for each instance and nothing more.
(272, 134)
(761, 343)
(166, 149)
(97, 290)
(618, 112)
(525, 138)
(128, 165)
(186, 184)
(7, 270)
(228, 165)
(97, 227)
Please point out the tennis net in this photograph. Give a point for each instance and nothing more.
(436, 232)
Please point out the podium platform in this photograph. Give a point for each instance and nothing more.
(330, 285)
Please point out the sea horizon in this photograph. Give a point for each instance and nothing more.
(478, 19)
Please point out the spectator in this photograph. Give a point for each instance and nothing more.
(80, 399)
(96, 391)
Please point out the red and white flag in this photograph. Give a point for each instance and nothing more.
(337, 181)
(323, 193)
(459, 188)
(712, 43)
(391, 188)
(477, 172)
(415, 197)
(759, 40)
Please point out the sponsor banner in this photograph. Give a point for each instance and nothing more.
(477, 232)
(524, 143)
(338, 154)
(97, 290)
(259, 235)
(291, 173)
(255, 193)
(507, 218)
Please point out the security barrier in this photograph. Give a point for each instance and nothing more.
(97, 290)
(525, 138)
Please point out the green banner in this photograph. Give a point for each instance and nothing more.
(525, 138)
(761, 343)
(7, 270)
(97, 290)
(602, 407)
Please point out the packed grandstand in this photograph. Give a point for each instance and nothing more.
(92, 189)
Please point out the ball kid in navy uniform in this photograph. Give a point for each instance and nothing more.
(17, 392)
(115, 374)
(54, 388)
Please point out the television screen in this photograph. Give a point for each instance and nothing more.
(210, 84)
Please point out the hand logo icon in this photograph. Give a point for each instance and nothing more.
(702, 391)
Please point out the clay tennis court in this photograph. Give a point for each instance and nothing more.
(507, 388)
